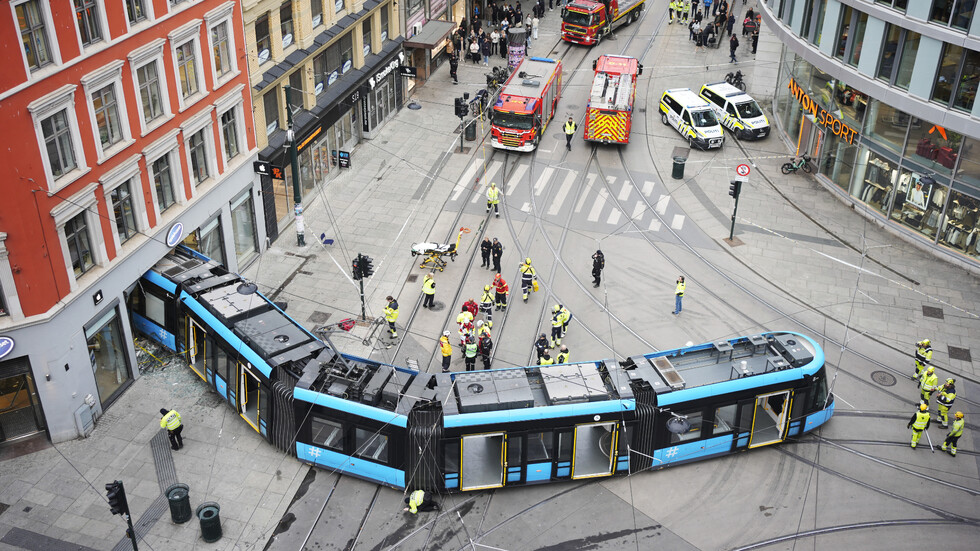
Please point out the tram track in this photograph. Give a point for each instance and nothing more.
(846, 527)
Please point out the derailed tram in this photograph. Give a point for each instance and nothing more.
(477, 430)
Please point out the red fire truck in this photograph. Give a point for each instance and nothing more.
(587, 21)
(526, 104)
(609, 116)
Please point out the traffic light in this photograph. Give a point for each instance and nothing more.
(356, 268)
(367, 265)
(117, 498)
(461, 108)
(735, 188)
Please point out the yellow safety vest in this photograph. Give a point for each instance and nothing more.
(415, 500)
(957, 429)
(569, 127)
(564, 315)
(546, 361)
(923, 353)
(170, 421)
(391, 314)
(487, 298)
(429, 286)
(680, 289)
(921, 420)
(556, 320)
(562, 358)
(527, 270)
(445, 347)
(929, 383)
(946, 399)
(471, 350)
(493, 195)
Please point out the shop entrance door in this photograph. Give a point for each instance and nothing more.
(20, 410)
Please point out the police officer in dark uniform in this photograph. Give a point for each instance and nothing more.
(485, 247)
(497, 251)
(598, 263)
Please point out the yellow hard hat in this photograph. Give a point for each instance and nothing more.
(926, 342)
(950, 381)
(486, 287)
(557, 308)
(493, 184)
(959, 414)
(931, 369)
(527, 260)
(923, 407)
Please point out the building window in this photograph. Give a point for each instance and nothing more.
(271, 103)
(286, 22)
(149, 86)
(79, 245)
(229, 133)
(321, 75)
(316, 10)
(164, 183)
(220, 47)
(843, 32)
(338, 6)
(897, 4)
(910, 47)
(854, 55)
(135, 11)
(59, 143)
(949, 65)
(932, 146)
(187, 70)
(87, 17)
(366, 36)
(207, 240)
(415, 5)
(243, 227)
(346, 44)
(33, 34)
(262, 41)
(198, 156)
(889, 52)
(956, 13)
(384, 24)
(122, 208)
(107, 116)
(296, 83)
(966, 89)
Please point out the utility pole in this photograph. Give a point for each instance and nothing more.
(294, 163)
(734, 189)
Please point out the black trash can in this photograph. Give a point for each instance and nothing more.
(678, 172)
(471, 131)
(210, 521)
(180, 503)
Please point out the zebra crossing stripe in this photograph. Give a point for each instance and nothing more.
(543, 180)
(613, 217)
(585, 194)
(648, 187)
(638, 209)
(464, 181)
(597, 207)
(566, 186)
(516, 179)
(662, 204)
(625, 192)
(677, 222)
(654, 225)
(488, 177)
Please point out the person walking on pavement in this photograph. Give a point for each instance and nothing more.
(493, 199)
(496, 251)
(501, 290)
(731, 23)
(679, 294)
(928, 384)
(546, 359)
(954, 434)
(447, 351)
(171, 421)
(686, 11)
(569, 132)
(469, 353)
(541, 345)
(429, 290)
(598, 263)
(528, 275)
(391, 314)
(947, 395)
(485, 50)
(923, 357)
(534, 27)
(671, 8)
(562, 357)
(732, 46)
(453, 67)
(485, 252)
(555, 327)
(919, 423)
(755, 40)
(486, 305)
(485, 348)
(421, 501)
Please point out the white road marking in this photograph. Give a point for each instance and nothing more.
(662, 204)
(464, 181)
(625, 192)
(613, 217)
(526, 207)
(543, 180)
(654, 224)
(488, 177)
(566, 186)
(648, 188)
(585, 193)
(677, 222)
(600, 202)
(638, 210)
(516, 179)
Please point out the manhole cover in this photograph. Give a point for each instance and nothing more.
(932, 312)
(319, 317)
(412, 278)
(883, 378)
(962, 354)
(437, 306)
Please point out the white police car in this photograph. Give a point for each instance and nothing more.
(737, 110)
(692, 117)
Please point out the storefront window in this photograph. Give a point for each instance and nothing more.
(969, 170)
(960, 230)
(886, 125)
(243, 227)
(20, 408)
(889, 51)
(918, 202)
(837, 160)
(107, 352)
(876, 185)
(858, 39)
(946, 77)
(932, 146)
(207, 241)
(966, 90)
(909, 48)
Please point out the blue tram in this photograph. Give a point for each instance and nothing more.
(485, 429)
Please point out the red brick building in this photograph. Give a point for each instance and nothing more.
(127, 127)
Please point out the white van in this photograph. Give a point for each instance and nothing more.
(737, 110)
(692, 117)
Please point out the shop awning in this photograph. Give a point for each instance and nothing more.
(431, 34)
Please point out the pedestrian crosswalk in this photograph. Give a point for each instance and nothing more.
(551, 192)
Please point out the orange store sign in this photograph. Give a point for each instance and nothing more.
(821, 115)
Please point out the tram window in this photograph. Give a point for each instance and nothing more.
(371, 445)
(514, 449)
(745, 418)
(692, 433)
(799, 404)
(451, 456)
(624, 441)
(565, 441)
(327, 434)
(219, 358)
(820, 391)
(724, 419)
(156, 309)
(539, 446)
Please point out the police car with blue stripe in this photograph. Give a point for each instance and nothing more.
(692, 117)
(737, 110)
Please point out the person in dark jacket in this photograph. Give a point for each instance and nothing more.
(598, 263)
(485, 252)
(485, 348)
(541, 345)
(497, 251)
(731, 23)
(453, 66)
(485, 50)
(755, 40)
(732, 46)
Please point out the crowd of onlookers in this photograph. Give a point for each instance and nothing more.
(485, 34)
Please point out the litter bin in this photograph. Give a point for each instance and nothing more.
(678, 172)
(471, 131)
(180, 503)
(210, 521)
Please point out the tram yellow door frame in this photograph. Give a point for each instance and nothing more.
(197, 348)
(582, 442)
(248, 389)
(480, 475)
(769, 418)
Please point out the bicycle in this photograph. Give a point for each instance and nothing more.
(735, 79)
(803, 162)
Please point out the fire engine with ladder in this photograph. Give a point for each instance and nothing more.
(609, 115)
(526, 104)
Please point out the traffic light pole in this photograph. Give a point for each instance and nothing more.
(130, 531)
(735, 190)
(363, 312)
(731, 234)
(294, 163)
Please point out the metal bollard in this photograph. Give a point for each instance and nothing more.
(210, 521)
(180, 503)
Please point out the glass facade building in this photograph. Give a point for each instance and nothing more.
(882, 95)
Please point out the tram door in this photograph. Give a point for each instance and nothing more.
(483, 463)
(248, 395)
(196, 347)
(594, 450)
(769, 419)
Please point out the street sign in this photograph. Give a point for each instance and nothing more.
(266, 168)
(278, 174)
(407, 71)
(742, 169)
(344, 159)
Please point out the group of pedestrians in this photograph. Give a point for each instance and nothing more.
(928, 382)
(718, 18)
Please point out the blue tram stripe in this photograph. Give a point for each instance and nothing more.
(160, 281)
(351, 465)
(229, 337)
(537, 413)
(350, 406)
